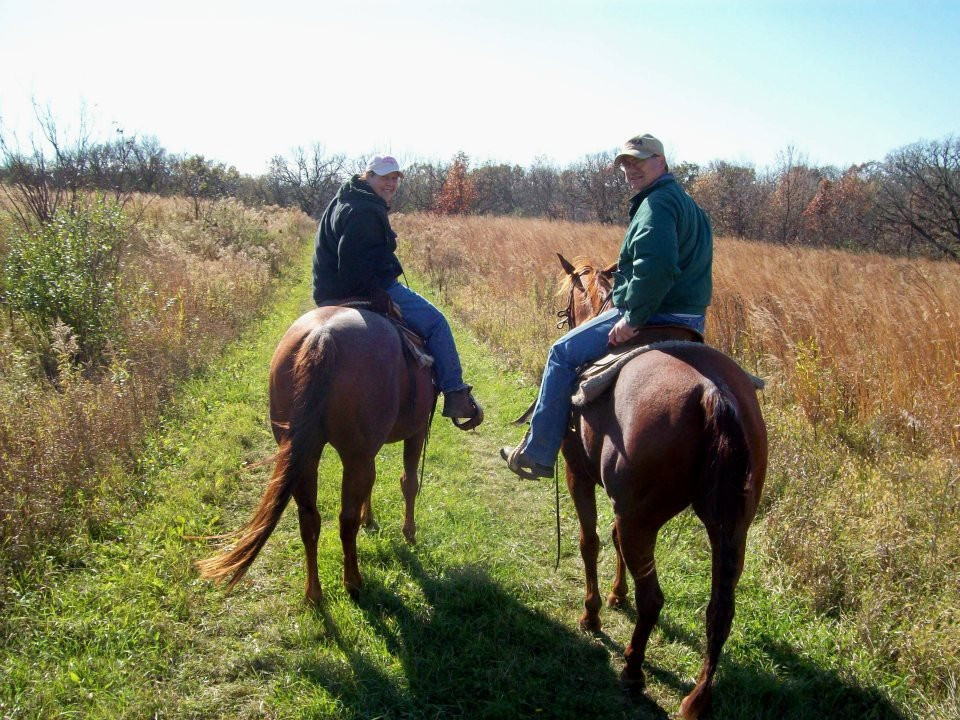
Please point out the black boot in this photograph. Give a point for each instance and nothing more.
(461, 404)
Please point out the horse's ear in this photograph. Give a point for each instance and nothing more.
(566, 265)
(607, 272)
(571, 271)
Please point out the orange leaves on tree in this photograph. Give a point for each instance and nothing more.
(458, 192)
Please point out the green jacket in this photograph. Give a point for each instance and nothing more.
(666, 259)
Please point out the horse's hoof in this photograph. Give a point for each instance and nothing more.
(353, 587)
(314, 599)
(616, 601)
(695, 704)
(590, 623)
(631, 683)
(371, 527)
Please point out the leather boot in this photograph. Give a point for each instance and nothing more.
(461, 404)
(523, 466)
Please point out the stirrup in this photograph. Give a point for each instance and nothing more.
(523, 466)
(471, 422)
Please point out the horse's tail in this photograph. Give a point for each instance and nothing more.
(728, 466)
(302, 445)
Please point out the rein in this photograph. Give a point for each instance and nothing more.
(423, 452)
(411, 372)
(556, 483)
(566, 317)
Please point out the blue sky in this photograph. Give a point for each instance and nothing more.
(842, 82)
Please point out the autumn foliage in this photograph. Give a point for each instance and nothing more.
(458, 191)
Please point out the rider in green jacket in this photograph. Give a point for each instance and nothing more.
(663, 277)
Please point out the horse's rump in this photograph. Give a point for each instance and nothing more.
(355, 357)
(673, 411)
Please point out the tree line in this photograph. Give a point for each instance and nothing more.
(908, 203)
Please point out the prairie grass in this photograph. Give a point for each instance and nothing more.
(862, 357)
(188, 287)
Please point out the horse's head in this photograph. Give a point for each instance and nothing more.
(587, 288)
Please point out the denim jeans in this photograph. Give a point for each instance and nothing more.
(430, 324)
(578, 347)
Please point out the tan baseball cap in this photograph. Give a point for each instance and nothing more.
(640, 147)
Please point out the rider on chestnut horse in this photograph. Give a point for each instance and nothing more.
(663, 278)
(354, 256)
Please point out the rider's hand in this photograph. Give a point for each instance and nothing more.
(621, 332)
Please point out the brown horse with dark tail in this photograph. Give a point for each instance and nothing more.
(681, 426)
(340, 377)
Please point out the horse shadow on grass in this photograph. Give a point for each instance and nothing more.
(474, 652)
(477, 652)
(799, 690)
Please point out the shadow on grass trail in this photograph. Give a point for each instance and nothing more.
(479, 653)
(798, 690)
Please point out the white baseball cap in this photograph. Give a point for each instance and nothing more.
(383, 165)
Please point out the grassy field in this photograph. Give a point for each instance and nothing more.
(472, 622)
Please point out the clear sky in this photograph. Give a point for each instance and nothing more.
(504, 80)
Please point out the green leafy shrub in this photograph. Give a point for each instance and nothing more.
(69, 270)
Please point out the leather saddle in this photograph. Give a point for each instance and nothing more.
(603, 371)
(379, 302)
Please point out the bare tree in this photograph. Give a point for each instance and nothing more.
(497, 189)
(603, 188)
(421, 184)
(48, 175)
(920, 195)
(795, 186)
(541, 192)
(310, 179)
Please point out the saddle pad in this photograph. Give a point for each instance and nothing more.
(599, 375)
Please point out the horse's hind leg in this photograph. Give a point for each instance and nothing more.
(638, 537)
(305, 493)
(618, 592)
(410, 484)
(728, 544)
(359, 474)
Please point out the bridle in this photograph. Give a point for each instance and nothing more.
(566, 314)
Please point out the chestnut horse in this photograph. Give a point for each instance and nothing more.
(681, 426)
(339, 376)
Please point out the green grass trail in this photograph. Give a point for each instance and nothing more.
(471, 622)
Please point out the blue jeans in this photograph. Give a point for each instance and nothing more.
(578, 347)
(432, 326)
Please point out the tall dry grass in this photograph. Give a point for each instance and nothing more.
(862, 358)
(189, 287)
(847, 337)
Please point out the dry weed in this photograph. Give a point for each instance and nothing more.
(190, 286)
